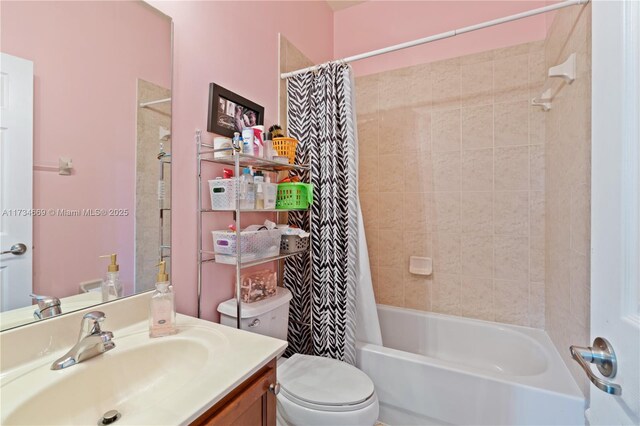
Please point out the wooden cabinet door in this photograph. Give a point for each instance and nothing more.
(250, 404)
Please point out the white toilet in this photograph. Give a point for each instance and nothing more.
(314, 391)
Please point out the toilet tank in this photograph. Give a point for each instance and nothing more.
(269, 316)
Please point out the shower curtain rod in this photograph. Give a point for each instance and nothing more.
(444, 35)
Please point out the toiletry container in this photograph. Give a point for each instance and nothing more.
(162, 309)
(111, 286)
(223, 194)
(313, 390)
(270, 191)
(222, 143)
(258, 180)
(247, 190)
(247, 141)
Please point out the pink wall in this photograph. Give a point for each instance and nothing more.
(377, 24)
(87, 58)
(234, 44)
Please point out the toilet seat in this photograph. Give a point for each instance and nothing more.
(325, 384)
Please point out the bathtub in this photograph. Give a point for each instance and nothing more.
(438, 369)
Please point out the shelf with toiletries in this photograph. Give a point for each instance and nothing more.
(257, 182)
(248, 263)
(248, 160)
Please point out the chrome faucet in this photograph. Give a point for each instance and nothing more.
(91, 342)
(48, 306)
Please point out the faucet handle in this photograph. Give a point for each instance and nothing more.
(96, 317)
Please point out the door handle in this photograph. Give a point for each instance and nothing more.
(604, 357)
(16, 249)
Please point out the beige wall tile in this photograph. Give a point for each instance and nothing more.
(477, 170)
(390, 287)
(512, 123)
(476, 212)
(446, 249)
(511, 168)
(511, 78)
(390, 210)
(391, 179)
(404, 130)
(418, 173)
(390, 247)
(367, 94)
(395, 89)
(369, 204)
(368, 173)
(368, 135)
(536, 305)
(580, 218)
(536, 213)
(512, 302)
(417, 292)
(422, 94)
(373, 247)
(476, 298)
(537, 122)
(477, 127)
(445, 81)
(415, 244)
(445, 127)
(446, 214)
(511, 212)
(446, 171)
(446, 294)
(417, 210)
(476, 83)
(477, 256)
(579, 288)
(511, 258)
(536, 167)
(438, 143)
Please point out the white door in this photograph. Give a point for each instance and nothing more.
(615, 207)
(16, 180)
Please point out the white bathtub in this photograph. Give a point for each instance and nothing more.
(438, 369)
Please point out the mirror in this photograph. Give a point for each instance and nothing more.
(85, 153)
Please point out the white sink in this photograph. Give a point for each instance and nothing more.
(168, 380)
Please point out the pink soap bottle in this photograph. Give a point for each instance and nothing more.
(162, 309)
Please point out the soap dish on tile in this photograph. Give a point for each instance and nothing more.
(420, 265)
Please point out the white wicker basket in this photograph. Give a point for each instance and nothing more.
(223, 194)
(254, 245)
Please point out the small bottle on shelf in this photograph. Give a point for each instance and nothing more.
(247, 190)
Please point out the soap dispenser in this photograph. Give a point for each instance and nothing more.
(162, 310)
(111, 287)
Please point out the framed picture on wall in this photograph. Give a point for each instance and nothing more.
(230, 112)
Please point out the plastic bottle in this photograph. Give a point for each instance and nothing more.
(111, 287)
(162, 309)
(247, 141)
(258, 179)
(247, 190)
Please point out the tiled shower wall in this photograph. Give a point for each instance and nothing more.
(451, 167)
(568, 167)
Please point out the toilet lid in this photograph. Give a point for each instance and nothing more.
(324, 381)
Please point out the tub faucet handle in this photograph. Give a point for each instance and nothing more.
(604, 357)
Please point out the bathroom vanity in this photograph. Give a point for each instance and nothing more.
(206, 374)
(251, 403)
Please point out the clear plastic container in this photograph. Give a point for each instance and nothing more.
(257, 286)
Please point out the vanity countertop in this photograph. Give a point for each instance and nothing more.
(169, 380)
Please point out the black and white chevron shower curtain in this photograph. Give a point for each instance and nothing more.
(323, 310)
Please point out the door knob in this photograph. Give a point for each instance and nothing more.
(604, 357)
(16, 249)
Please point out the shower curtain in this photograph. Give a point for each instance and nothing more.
(324, 285)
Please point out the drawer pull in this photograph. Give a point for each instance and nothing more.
(274, 388)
